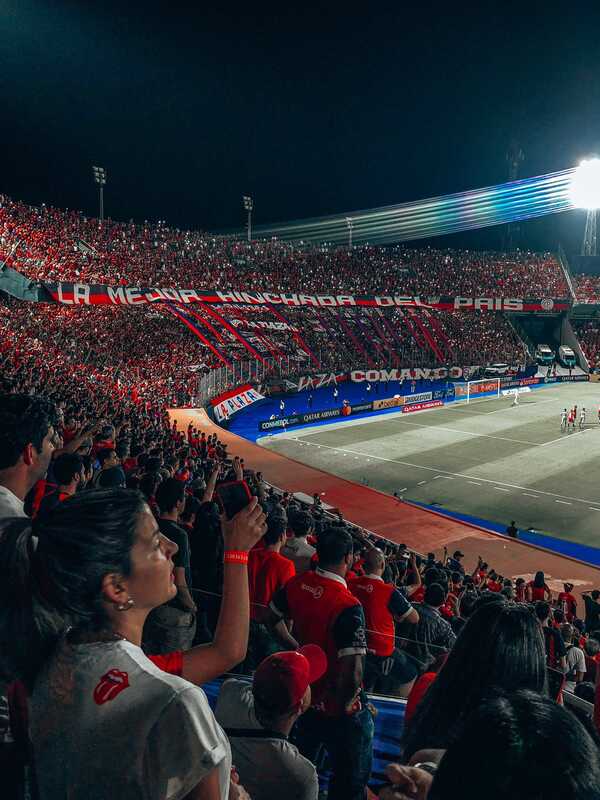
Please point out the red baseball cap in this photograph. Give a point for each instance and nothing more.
(282, 679)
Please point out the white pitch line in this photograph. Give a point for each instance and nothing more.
(474, 483)
(404, 488)
(457, 474)
(564, 502)
(593, 509)
(420, 483)
(565, 438)
(535, 497)
(466, 433)
(465, 406)
(500, 489)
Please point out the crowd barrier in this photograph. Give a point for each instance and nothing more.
(419, 401)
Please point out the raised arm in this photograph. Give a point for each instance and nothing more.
(206, 662)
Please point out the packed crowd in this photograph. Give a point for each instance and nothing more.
(51, 244)
(588, 334)
(140, 561)
(148, 355)
(141, 355)
(587, 288)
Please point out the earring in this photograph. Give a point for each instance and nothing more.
(126, 606)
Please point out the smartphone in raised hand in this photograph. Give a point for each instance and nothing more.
(232, 497)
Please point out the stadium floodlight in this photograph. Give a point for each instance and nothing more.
(584, 192)
(248, 206)
(585, 185)
(99, 174)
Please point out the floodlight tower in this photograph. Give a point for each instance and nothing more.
(585, 193)
(248, 206)
(588, 246)
(100, 178)
(350, 225)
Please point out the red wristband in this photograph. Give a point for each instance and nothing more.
(235, 557)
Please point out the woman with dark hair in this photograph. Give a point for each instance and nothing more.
(537, 589)
(520, 746)
(106, 721)
(501, 645)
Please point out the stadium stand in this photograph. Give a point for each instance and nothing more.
(47, 243)
(588, 334)
(124, 587)
(587, 288)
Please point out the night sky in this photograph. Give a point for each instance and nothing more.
(311, 108)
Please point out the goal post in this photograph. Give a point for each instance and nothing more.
(488, 387)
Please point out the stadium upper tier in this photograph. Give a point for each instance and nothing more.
(52, 244)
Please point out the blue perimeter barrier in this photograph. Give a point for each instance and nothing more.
(245, 423)
(389, 722)
(581, 552)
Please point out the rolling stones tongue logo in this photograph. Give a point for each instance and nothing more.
(110, 685)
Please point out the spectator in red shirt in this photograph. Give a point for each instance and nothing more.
(417, 693)
(268, 572)
(324, 612)
(567, 602)
(494, 583)
(537, 589)
(356, 570)
(383, 604)
(69, 472)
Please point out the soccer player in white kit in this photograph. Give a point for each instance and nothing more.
(582, 418)
(515, 401)
(563, 419)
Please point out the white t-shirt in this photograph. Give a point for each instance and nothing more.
(107, 723)
(300, 552)
(10, 505)
(575, 661)
(270, 768)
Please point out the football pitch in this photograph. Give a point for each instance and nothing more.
(486, 459)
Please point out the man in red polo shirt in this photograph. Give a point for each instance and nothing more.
(324, 612)
(567, 601)
(268, 571)
(384, 604)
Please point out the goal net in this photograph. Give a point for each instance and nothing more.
(489, 387)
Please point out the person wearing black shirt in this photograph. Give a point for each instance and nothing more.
(172, 626)
(555, 647)
(592, 609)
(512, 531)
(453, 564)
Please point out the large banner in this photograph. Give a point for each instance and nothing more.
(412, 374)
(260, 325)
(96, 294)
(320, 379)
(229, 403)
